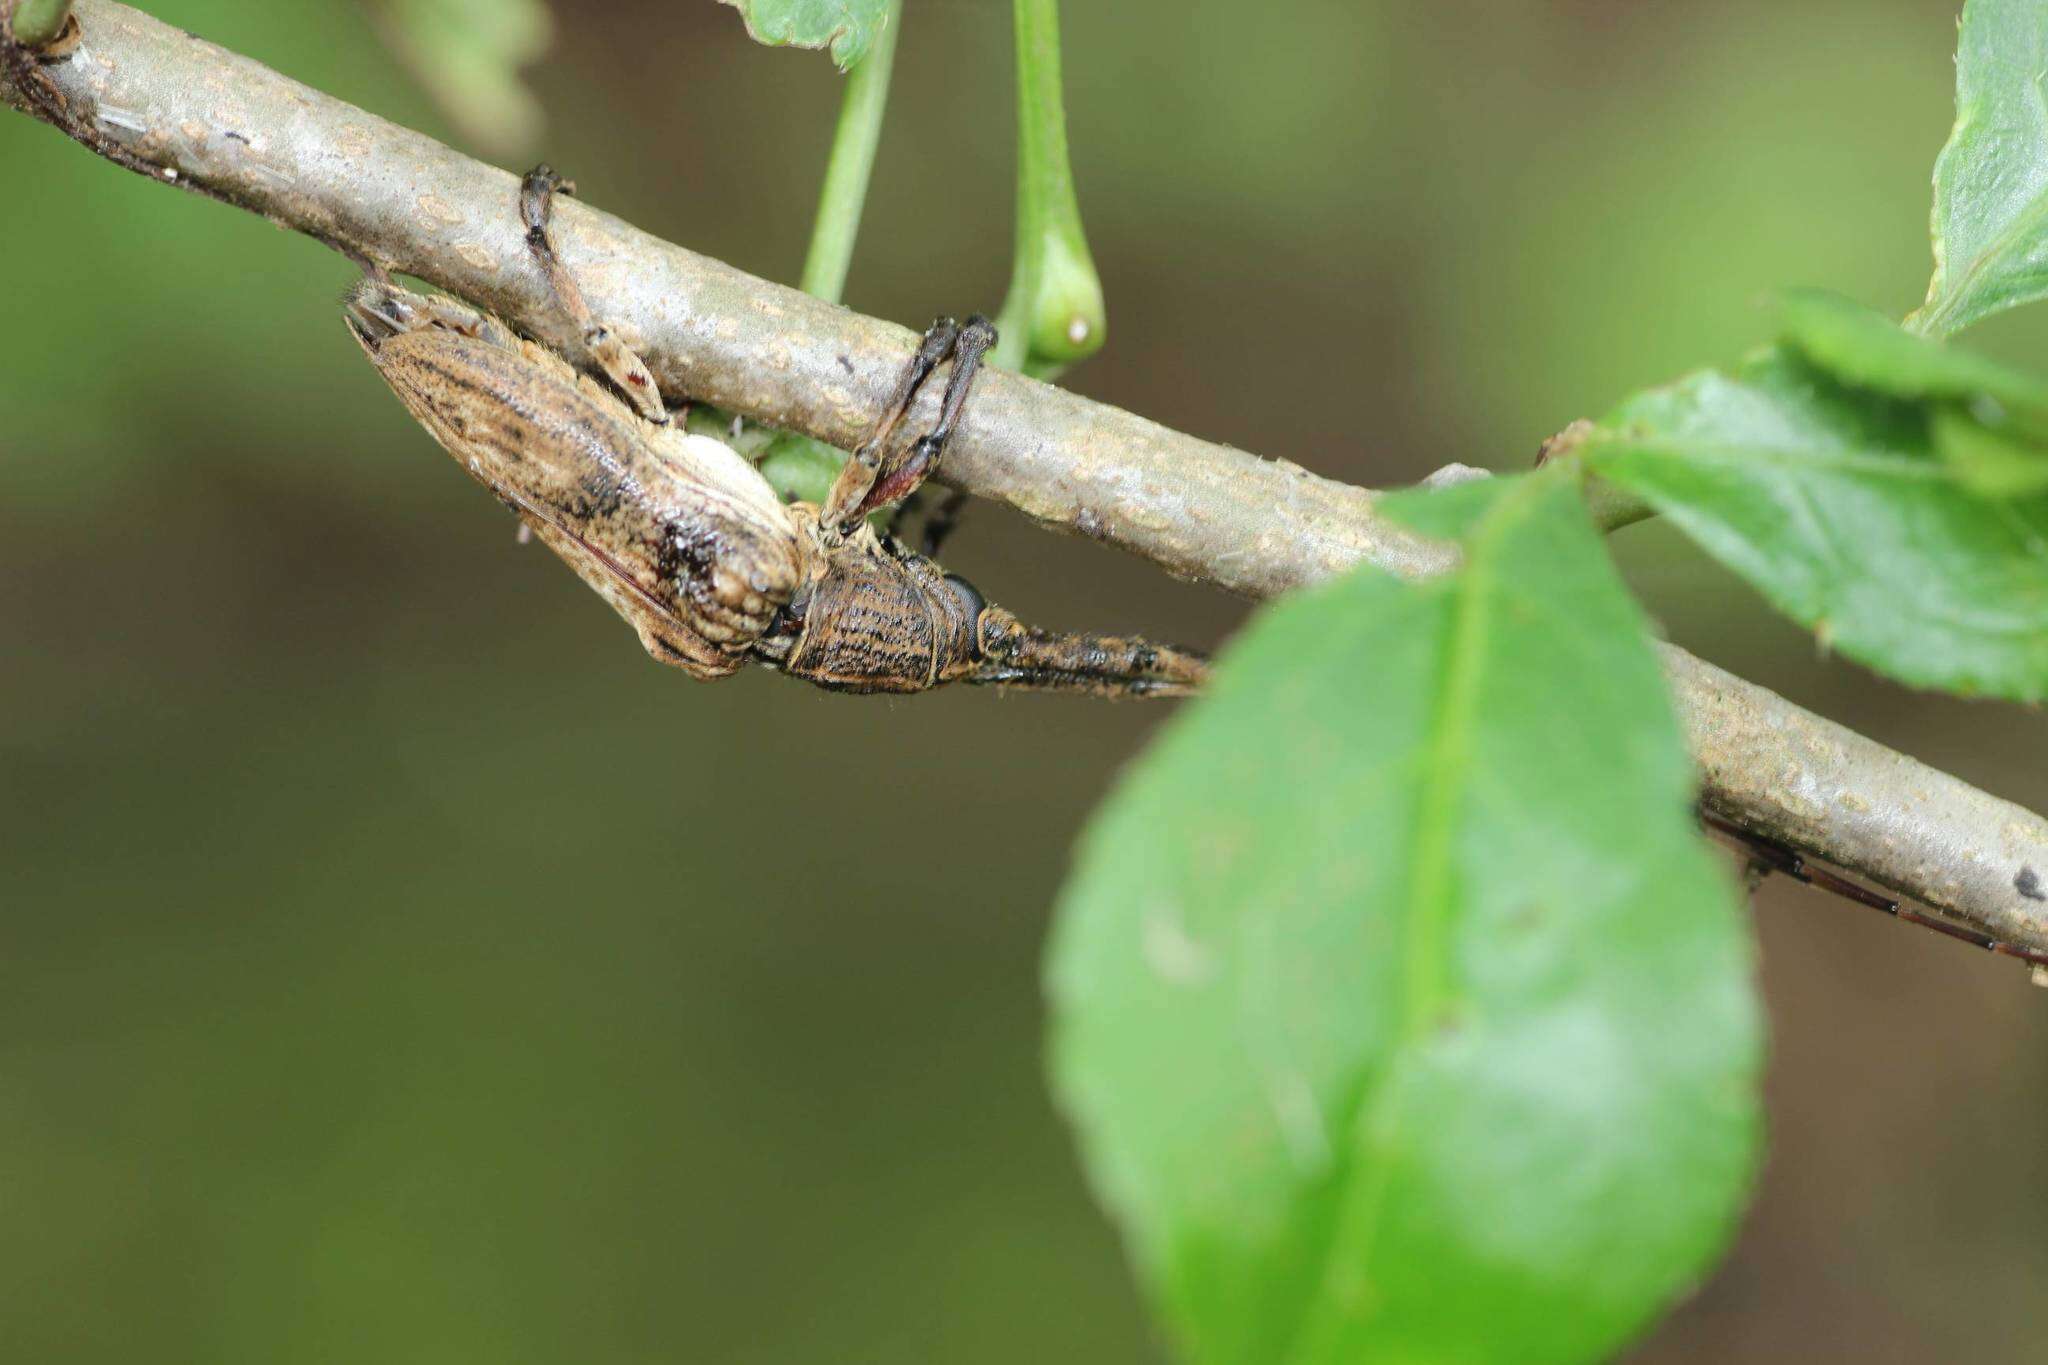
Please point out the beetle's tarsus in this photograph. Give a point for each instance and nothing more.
(536, 194)
(976, 338)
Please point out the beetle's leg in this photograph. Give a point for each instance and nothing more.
(857, 477)
(900, 476)
(875, 477)
(1013, 654)
(941, 516)
(625, 369)
(941, 522)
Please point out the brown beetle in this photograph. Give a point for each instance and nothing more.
(686, 539)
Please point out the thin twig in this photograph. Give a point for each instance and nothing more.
(185, 111)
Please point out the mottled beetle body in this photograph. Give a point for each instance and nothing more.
(678, 532)
(686, 539)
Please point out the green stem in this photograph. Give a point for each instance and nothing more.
(799, 468)
(1053, 315)
(851, 163)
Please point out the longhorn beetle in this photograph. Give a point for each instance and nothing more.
(688, 541)
(690, 544)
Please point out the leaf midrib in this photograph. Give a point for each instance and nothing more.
(1936, 315)
(1906, 468)
(1425, 977)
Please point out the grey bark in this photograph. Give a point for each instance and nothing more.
(187, 112)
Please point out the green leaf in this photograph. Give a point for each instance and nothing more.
(467, 55)
(1991, 180)
(1832, 503)
(1863, 347)
(848, 27)
(1402, 1012)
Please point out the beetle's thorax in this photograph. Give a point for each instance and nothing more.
(873, 617)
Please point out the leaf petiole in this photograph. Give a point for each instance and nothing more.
(1053, 315)
(852, 162)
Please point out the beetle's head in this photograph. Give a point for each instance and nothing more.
(377, 311)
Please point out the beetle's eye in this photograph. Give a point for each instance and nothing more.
(968, 596)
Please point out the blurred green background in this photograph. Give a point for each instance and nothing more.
(395, 965)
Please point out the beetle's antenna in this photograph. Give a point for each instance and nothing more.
(1769, 855)
(1016, 655)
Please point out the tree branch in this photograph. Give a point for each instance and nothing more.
(182, 110)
